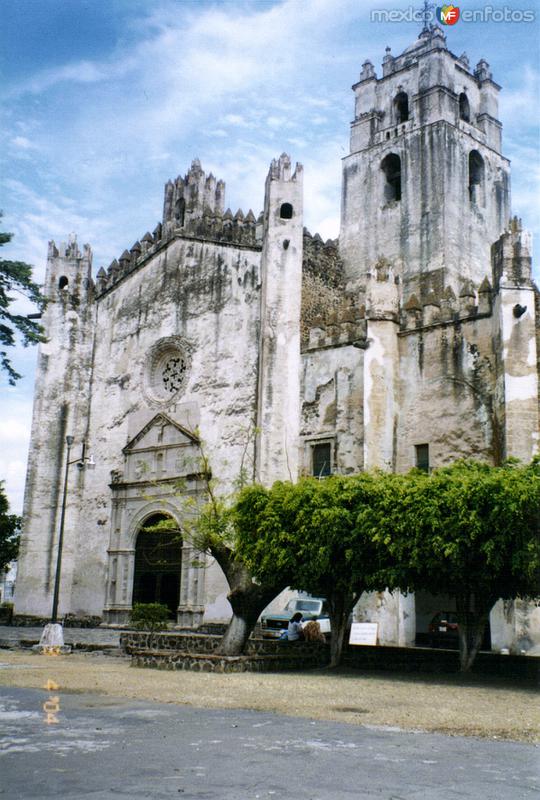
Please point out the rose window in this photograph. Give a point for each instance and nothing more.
(166, 370)
(174, 370)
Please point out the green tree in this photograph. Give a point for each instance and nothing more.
(16, 277)
(470, 530)
(214, 531)
(10, 526)
(308, 535)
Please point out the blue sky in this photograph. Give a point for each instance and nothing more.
(105, 100)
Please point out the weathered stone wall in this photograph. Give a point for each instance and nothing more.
(323, 282)
(207, 296)
(332, 405)
(448, 373)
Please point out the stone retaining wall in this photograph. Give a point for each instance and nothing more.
(199, 644)
(197, 652)
(202, 662)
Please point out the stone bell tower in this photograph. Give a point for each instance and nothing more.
(425, 185)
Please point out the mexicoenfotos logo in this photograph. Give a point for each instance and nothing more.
(447, 15)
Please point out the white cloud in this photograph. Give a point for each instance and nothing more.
(23, 143)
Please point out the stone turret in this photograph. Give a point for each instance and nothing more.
(61, 407)
(69, 272)
(278, 418)
(190, 198)
(514, 314)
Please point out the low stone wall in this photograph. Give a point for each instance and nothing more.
(69, 621)
(202, 662)
(184, 642)
(197, 652)
(198, 644)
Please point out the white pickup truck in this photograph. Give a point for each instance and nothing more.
(273, 625)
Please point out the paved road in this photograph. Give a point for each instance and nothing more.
(103, 748)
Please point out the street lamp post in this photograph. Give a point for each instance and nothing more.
(54, 615)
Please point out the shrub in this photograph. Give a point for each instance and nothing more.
(150, 617)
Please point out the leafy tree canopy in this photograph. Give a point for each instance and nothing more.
(308, 534)
(16, 277)
(470, 530)
(10, 525)
(468, 527)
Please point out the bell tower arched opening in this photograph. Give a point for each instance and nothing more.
(401, 107)
(158, 562)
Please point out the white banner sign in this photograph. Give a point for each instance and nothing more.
(364, 633)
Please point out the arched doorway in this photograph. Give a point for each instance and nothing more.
(158, 562)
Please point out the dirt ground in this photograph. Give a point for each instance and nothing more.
(473, 706)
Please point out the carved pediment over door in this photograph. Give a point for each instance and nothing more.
(162, 450)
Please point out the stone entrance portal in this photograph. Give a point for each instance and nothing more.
(161, 566)
(158, 564)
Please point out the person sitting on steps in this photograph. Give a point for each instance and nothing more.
(294, 630)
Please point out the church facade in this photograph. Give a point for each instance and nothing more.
(411, 341)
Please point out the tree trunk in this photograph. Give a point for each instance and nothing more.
(247, 603)
(248, 600)
(246, 597)
(340, 605)
(237, 633)
(472, 620)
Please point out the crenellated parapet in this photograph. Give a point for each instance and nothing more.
(321, 259)
(341, 325)
(446, 307)
(193, 208)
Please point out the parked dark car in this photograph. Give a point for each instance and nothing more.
(443, 631)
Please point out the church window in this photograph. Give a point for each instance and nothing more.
(401, 107)
(422, 457)
(286, 211)
(321, 459)
(63, 282)
(464, 108)
(167, 370)
(391, 167)
(476, 177)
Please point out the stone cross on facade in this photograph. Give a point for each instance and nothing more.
(426, 15)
